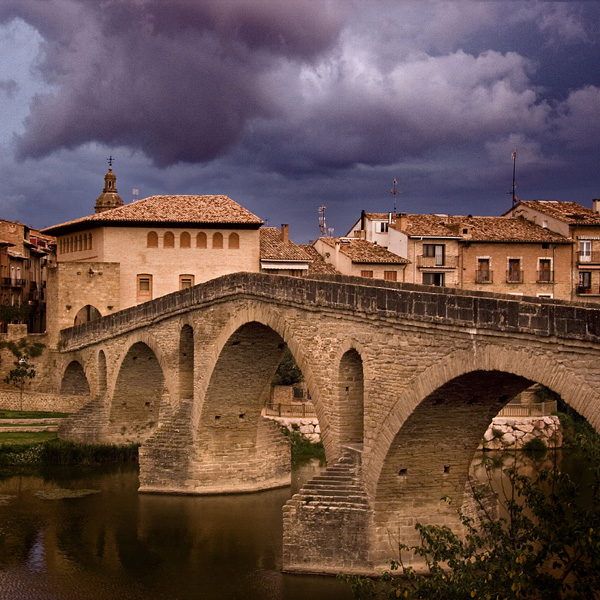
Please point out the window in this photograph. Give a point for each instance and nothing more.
(435, 251)
(201, 240)
(381, 227)
(217, 240)
(544, 270)
(152, 240)
(144, 288)
(234, 241)
(85, 242)
(433, 279)
(90, 241)
(366, 273)
(585, 282)
(483, 273)
(585, 251)
(185, 240)
(390, 275)
(169, 240)
(186, 281)
(514, 273)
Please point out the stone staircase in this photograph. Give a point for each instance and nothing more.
(338, 486)
(87, 424)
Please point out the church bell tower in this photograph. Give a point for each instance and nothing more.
(109, 198)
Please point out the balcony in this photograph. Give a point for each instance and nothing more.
(545, 277)
(482, 276)
(13, 282)
(583, 289)
(444, 262)
(514, 276)
(589, 258)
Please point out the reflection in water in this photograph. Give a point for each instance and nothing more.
(121, 544)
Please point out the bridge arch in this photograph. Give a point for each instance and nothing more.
(102, 373)
(429, 437)
(351, 394)
(139, 394)
(74, 381)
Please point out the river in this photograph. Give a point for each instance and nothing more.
(113, 543)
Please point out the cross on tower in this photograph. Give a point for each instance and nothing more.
(110, 161)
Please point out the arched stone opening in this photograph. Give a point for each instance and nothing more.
(74, 381)
(351, 398)
(186, 363)
(431, 454)
(238, 449)
(139, 391)
(87, 313)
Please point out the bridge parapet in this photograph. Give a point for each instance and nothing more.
(540, 317)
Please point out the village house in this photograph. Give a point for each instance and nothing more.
(279, 255)
(581, 225)
(495, 254)
(123, 255)
(360, 258)
(25, 255)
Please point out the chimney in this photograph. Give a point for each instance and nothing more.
(401, 222)
(596, 205)
(362, 220)
(285, 232)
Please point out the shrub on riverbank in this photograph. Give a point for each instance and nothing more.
(303, 450)
(61, 453)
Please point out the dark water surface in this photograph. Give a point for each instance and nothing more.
(118, 544)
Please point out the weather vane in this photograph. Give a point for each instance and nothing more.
(110, 161)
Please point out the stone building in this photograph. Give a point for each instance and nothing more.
(361, 258)
(581, 225)
(279, 255)
(495, 254)
(25, 255)
(124, 255)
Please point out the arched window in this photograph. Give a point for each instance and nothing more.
(234, 240)
(185, 241)
(85, 239)
(169, 240)
(80, 243)
(201, 240)
(217, 240)
(152, 240)
(71, 244)
(90, 241)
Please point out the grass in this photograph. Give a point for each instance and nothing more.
(53, 451)
(30, 414)
(25, 438)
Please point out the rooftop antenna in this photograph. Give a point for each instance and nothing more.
(514, 181)
(330, 232)
(322, 225)
(394, 191)
(135, 193)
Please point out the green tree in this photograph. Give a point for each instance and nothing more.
(288, 371)
(23, 351)
(547, 546)
(11, 313)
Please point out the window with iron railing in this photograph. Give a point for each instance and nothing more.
(483, 276)
(545, 276)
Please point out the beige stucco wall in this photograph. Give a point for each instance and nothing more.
(529, 255)
(127, 246)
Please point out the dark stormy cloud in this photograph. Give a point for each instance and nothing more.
(288, 105)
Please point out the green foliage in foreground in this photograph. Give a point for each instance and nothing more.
(59, 452)
(303, 450)
(546, 547)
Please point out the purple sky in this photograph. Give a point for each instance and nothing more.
(286, 106)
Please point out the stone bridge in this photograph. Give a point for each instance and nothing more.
(405, 380)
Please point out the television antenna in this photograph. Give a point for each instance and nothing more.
(514, 180)
(135, 193)
(322, 224)
(394, 191)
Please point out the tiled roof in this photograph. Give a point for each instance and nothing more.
(318, 264)
(168, 209)
(479, 229)
(272, 247)
(430, 225)
(502, 229)
(568, 212)
(362, 251)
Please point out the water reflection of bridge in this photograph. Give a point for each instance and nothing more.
(404, 380)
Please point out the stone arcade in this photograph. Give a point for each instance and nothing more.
(405, 381)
